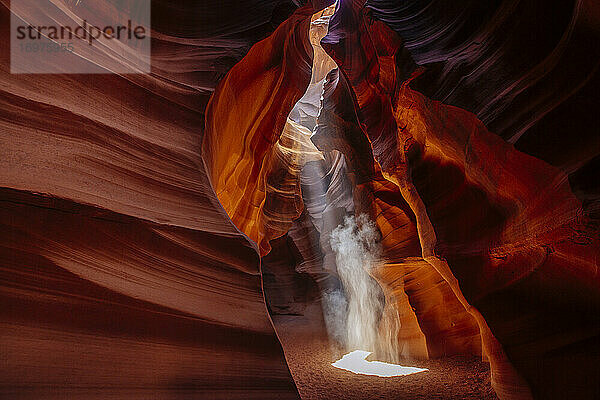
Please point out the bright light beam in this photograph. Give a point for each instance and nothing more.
(356, 362)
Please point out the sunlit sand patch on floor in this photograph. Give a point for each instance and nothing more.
(356, 362)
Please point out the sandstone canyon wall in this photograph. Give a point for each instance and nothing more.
(510, 249)
(122, 276)
(136, 212)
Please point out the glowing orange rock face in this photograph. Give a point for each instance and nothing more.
(479, 237)
(244, 121)
(433, 321)
(490, 220)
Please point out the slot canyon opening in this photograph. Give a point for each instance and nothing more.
(331, 305)
(336, 290)
(294, 202)
(387, 222)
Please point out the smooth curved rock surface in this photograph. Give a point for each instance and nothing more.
(135, 212)
(122, 275)
(490, 221)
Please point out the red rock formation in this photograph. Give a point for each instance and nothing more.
(100, 304)
(405, 272)
(254, 100)
(490, 221)
(509, 212)
(122, 276)
(132, 238)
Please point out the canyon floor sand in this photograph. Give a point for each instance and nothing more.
(309, 356)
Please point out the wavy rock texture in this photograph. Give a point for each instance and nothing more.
(513, 215)
(97, 304)
(421, 312)
(122, 276)
(266, 85)
(135, 213)
(494, 230)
